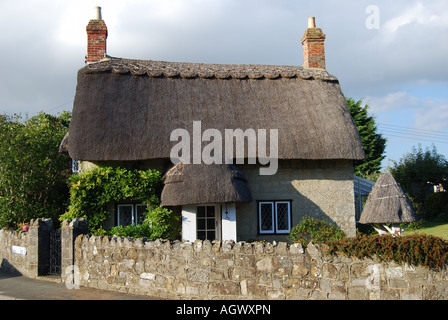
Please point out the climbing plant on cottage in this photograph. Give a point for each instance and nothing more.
(91, 191)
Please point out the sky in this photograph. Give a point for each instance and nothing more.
(392, 55)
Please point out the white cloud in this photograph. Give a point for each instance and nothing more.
(432, 114)
(417, 13)
(392, 101)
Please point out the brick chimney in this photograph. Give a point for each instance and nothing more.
(313, 46)
(96, 38)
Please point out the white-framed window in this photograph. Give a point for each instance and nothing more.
(75, 166)
(274, 217)
(128, 213)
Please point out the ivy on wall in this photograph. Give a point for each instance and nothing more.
(91, 191)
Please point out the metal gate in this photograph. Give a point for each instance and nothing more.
(55, 253)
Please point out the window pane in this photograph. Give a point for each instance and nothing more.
(283, 216)
(141, 209)
(266, 211)
(201, 211)
(211, 211)
(201, 235)
(125, 213)
(201, 224)
(211, 235)
(211, 223)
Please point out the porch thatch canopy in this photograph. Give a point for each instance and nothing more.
(387, 203)
(127, 109)
(198, 183)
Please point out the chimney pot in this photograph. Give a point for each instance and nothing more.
(311, 22)
(98, 13)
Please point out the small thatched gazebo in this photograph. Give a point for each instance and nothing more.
(387, 206)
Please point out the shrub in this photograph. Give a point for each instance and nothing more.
(318, 231)
(416, 225)
(163, 224)
(137, 231)
(159, 224)
(415, 250)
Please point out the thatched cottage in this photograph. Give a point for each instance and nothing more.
(125, 112)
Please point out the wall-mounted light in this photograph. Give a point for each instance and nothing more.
(227, 214)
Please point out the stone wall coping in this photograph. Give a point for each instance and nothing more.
(257, 247)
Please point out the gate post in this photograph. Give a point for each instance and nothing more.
(69, 232)
(39, 234)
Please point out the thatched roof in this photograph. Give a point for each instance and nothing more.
(198, 183)
(387, 203)
(63, 146)
(127, 109)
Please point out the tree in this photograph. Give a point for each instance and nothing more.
(33, 173)
(374, 143)
(419, 170)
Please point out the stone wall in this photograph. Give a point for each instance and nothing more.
(228, 270)
(26, 252)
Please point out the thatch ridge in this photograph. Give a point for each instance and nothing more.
(387, 203)
(188, 70)
(186, 184)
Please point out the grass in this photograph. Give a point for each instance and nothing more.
(438, 229)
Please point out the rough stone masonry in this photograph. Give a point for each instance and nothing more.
(229, 270)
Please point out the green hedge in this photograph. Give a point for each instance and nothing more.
(137, 231)
(415, 250)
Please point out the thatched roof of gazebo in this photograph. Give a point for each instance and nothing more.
(387, 203)
(125, 110)
(199, 183)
